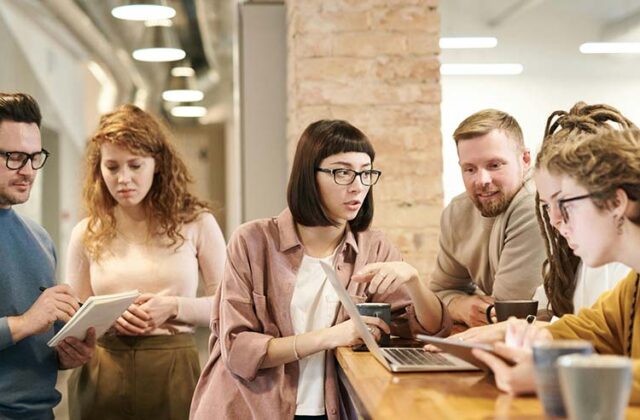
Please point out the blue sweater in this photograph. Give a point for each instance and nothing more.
(29, 368)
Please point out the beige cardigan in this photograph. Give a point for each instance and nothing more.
(253, 306)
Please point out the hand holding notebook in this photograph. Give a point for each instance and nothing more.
(99, 312)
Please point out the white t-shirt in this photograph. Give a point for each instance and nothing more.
(592, 282)
(313, 307)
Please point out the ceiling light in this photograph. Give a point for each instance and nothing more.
(182, 95)
(481, 69)
(610, 48)
(159, 55)
(143, 10)
(188, 111)
(183, 72)
(182, 89)
(158, 44)
(468, 42)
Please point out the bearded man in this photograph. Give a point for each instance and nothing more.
(490, 244)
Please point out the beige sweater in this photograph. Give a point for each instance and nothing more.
(500, 256)
(154, 267)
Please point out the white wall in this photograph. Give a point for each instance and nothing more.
(545, 40)
(262, 61)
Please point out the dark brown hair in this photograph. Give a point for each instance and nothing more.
(169, 202)
(19, 107)
(559, 269)
(318, 141)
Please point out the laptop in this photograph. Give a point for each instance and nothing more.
(395, 359)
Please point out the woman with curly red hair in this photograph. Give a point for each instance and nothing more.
(144, 231)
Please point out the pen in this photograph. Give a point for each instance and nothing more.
(42, 289)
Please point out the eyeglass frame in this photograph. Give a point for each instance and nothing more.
(28, 157)
(562, 201)
(355, 173)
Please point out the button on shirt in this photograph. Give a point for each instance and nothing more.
(313, 307)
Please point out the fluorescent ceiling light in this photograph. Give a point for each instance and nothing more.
(188, 111)
(481, 69)
(468, 42)
(182, 95)
(157, 55)
(610, 48)
(183, 71)
(143, 12)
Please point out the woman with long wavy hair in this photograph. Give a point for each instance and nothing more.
(144, 231)
(570, 285)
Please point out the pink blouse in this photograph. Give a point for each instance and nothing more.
(252, 306)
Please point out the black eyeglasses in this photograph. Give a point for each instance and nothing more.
(563, 209)
(17, 160)
(342, 176)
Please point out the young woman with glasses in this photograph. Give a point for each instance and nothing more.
(144, 230)
(276, 320)
(599, 202)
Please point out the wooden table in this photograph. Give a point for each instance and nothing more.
(378, 394)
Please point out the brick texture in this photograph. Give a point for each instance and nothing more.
(375, 63)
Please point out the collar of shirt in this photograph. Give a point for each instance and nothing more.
(288, 237)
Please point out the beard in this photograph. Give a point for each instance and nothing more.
(495, 206)
(7, 200)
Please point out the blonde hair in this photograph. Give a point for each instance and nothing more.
(563, 128)
(168, 202)
(483, 122)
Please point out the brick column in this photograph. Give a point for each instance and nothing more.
(375, 63)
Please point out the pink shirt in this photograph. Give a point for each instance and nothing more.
(253, 306)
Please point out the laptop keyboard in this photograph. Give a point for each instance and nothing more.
(417, 357)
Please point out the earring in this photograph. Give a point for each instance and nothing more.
(619, 223)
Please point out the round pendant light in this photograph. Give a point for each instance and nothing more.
(143, 10)
(158, 44)
(188, 111)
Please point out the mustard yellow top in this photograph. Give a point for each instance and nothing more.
(607, 325)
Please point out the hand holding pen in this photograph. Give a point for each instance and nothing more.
(57, 303)
(524, 333)
(42, 289)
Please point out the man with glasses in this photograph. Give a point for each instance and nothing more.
(28, 367)
(490, 244)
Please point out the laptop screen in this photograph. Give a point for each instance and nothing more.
(351, 309)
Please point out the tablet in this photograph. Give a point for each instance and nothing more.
(462, 349)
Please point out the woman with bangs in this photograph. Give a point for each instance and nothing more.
(276, 320)
(144, 231)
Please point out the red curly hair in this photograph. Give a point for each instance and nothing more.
(169, 204)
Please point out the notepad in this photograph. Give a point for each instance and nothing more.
(99, 312)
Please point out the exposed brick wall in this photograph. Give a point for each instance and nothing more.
(375, 63)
